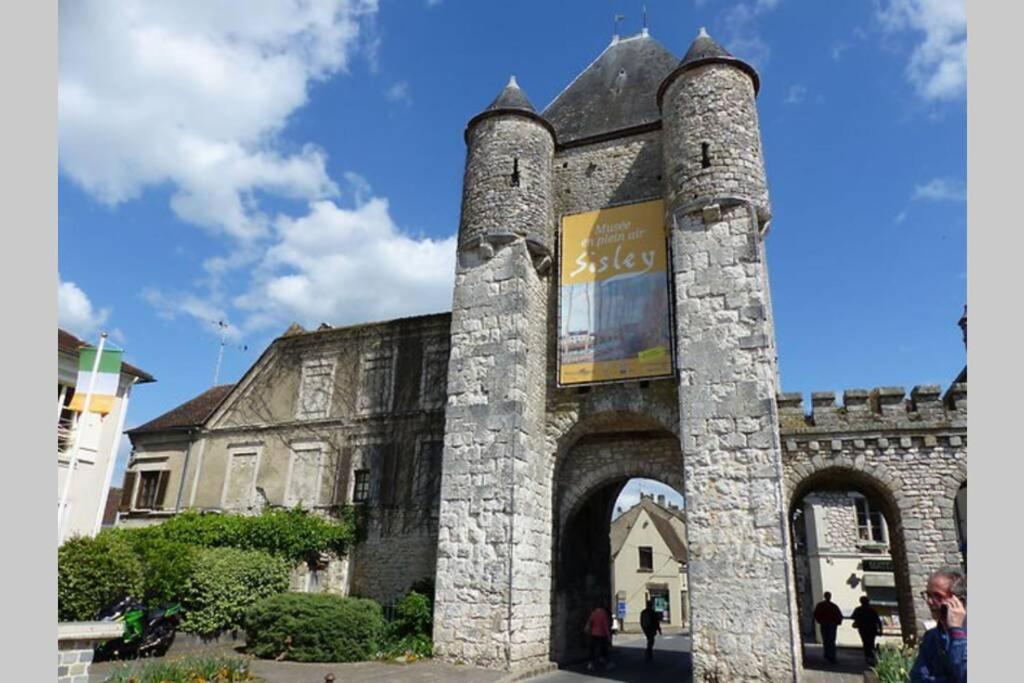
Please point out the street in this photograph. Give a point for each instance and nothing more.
(671, 662)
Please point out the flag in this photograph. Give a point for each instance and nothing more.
(108, 374)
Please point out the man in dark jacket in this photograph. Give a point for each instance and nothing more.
(829, 616)
(650, 623)
(942, 657)
(869, 626)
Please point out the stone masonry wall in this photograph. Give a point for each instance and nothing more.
(839, 518)
(911, 454)
(714, 105)
(738, 538)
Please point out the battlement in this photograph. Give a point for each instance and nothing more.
(861, 409)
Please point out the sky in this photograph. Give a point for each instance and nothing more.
(302, 161)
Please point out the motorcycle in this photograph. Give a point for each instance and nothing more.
(148, 632)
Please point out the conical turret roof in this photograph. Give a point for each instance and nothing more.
(511, 100)
(615, 93)
(704, 50)
(512, 97)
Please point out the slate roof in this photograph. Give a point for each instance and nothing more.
(616, 92)
(660, 518)
(511, 100)
(704, 50)
(191, 413)
(69, 343)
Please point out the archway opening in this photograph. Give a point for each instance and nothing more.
(847, 540)
(960, 514)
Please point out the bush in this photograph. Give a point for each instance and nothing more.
(293, 534)
(894, 663)
(168, 566)
(410, 629)
(226, 582)
(186, 670)
(93, 573)
(314, 627)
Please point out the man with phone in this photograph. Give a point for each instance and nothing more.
(942, 657)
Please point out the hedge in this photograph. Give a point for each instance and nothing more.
(93, 573)
(314, 627)
(226, 582)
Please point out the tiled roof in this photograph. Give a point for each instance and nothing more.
(660, 517)
(69, 343)
(191, 413)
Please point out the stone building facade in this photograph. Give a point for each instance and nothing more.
(477, 468)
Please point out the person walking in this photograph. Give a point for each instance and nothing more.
(598, 629)
(650, 623)
(942, 657)
(829, 617)
(869, 626)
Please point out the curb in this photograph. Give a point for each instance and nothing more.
(529, 672)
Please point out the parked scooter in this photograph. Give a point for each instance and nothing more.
(148, 632)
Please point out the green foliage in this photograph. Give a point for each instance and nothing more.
(225, 583)
(168, 566)
(894, 663)
(410, 629)
(185, 670)
(314, 627)
(294, 534)
(92, 573)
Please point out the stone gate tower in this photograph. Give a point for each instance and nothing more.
(522, 454)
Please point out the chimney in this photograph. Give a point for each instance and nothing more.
(661, 501)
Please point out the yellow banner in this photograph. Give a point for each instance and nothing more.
(614, 321)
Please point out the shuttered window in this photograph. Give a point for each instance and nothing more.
(152, 490)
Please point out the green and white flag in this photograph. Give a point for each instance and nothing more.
(107, 376)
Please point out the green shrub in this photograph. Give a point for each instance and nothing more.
(314, 627)
(294, 534)
(410, 629)
(185, 670)
(167, 565)
(226, 582)
(894, 663)
(93, 573)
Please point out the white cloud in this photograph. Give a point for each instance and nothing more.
(342, 266)
(900, 218)
(742, 36)
(433, 3)
(207, 311)
(194, 94)
(941, 189)
(75, 312)
(399, 92)
(796, 94)
(938, 64)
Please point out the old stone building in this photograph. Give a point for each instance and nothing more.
(483, 463)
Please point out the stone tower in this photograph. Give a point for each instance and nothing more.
(717, 207)
(492, 565)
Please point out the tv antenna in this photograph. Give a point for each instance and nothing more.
(223, 342)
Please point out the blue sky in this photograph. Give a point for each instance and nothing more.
(303, 162)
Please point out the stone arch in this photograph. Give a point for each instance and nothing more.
(882, 487)
(595, 459)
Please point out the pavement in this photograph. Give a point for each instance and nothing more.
(672, 662)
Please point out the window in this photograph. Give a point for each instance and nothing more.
(646, 559)
(315, 389)
(870, 524)
(66, 419)
(375, 369)
(361, 486)
(152, 489)
(434, 380)
(240, 484)
(427, 483)
(305, 476)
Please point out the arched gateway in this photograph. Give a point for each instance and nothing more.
(573, 368)
(529, 449)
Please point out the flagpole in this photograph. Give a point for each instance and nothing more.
(73, 461)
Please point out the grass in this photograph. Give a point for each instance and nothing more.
(184, 670)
